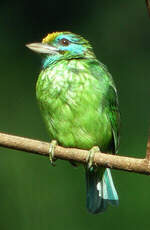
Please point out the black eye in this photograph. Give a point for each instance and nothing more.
(64, 42)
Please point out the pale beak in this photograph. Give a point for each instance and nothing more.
(43, 48)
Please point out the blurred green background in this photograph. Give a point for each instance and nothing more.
(34, 195)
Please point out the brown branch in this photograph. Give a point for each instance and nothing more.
(101, 159)
(148, 6)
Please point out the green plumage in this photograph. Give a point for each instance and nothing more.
(78, 101)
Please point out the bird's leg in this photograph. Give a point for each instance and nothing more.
(53, 144)
(90, 157)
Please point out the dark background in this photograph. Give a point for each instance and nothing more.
(34, 195)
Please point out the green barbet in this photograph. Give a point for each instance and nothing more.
(78, 101)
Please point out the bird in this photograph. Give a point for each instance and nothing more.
(78, 101)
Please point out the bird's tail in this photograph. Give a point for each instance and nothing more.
(100, 190)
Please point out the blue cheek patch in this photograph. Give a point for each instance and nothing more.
(74, 49)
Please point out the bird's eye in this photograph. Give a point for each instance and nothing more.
(64, 42)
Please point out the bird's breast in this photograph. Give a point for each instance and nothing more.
(69, 98)
(67, 80)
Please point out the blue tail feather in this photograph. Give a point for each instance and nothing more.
(111, 191)
(100, 191)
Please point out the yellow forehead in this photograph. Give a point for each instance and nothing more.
(50, 37)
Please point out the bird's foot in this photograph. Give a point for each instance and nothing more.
(53, 144)
(90, 157)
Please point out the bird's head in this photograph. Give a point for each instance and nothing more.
(62, 45)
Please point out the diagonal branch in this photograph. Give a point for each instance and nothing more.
(101, 159)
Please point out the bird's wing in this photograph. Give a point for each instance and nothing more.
(113, 114)
(110, 98)
(111, 103)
